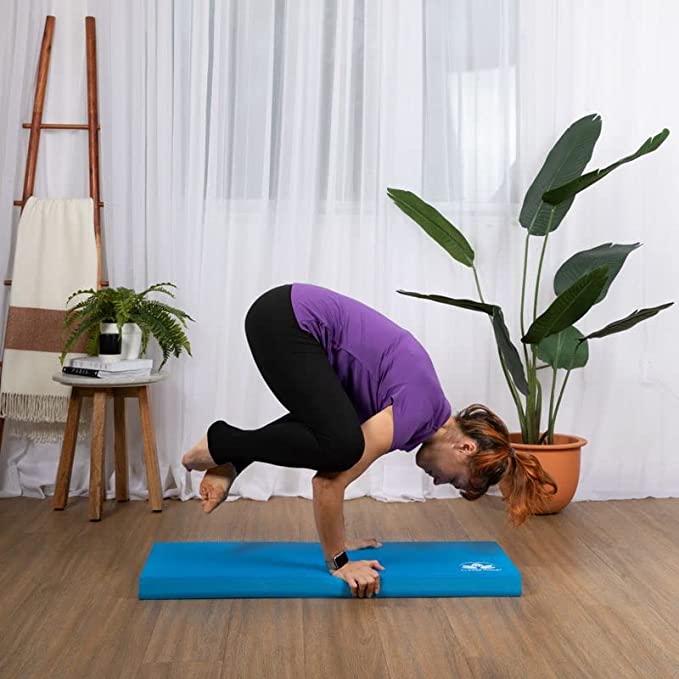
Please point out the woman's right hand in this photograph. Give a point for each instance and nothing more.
(361, 576)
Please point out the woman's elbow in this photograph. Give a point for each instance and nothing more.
(324, 481)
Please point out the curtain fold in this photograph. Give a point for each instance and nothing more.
(246, 144)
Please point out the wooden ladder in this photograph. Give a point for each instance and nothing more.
(36, 126)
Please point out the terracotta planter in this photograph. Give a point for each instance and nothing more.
(561, 460)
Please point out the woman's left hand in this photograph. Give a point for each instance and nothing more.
(361, 543)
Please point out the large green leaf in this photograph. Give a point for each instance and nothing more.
(566, 161)
(569, 306)
(504, 343)
(435, 224)
(568, 190)
(628, 322)
(509, 351)
(470, 304)
(564, 350)
(583, 262)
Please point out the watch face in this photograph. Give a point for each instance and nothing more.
(341, 559)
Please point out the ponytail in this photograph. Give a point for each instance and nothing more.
(522, 481)
(525, 486)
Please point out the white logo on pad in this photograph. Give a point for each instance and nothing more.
(478, 566)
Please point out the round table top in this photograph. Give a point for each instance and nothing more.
(81, 381)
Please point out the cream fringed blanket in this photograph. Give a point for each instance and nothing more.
(55, 255)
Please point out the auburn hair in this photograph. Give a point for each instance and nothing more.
(524, 484)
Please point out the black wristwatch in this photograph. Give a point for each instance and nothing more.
(338, 561)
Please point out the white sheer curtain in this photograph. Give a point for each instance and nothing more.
(250, 143)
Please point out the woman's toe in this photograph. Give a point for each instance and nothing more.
(213, 501)
(209, 506)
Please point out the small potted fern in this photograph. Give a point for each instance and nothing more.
(136, 317)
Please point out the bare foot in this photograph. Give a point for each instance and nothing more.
(198, 458)
(215, 486)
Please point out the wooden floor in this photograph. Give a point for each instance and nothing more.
(601, 596)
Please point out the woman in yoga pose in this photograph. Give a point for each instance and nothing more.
(356, 386)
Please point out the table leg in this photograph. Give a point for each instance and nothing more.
(97, 488)
(122, 485)
(150, 454)
(63, 480)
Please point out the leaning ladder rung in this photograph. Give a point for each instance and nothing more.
(60, 126)
(104, 284)
(20, 203)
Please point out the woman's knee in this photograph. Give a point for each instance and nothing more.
(347, 448)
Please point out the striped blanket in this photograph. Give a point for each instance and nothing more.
(55, 256)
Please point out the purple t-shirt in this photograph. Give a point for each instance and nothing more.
(378, 362)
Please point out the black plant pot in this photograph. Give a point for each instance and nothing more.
(110, 341)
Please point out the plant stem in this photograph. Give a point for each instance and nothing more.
(558, 403)
(529, 398)
(542, 256)
(551, 408)
(515, 395)
(530, 410)
(563, 386)
(534, 402)
(478, 284)
(538, 406)
(510, 384)
(523, 294)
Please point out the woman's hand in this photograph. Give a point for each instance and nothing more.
(361, 576)
(361, 543)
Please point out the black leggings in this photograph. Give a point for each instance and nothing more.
(322, 430)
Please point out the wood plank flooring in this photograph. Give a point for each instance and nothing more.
(601, 596)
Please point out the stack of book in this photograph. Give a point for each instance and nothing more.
(93, 366)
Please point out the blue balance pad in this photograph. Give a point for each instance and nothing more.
(238, 570)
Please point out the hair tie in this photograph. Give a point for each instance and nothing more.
(512, 453)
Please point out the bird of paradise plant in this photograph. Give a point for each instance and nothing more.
(581, 281)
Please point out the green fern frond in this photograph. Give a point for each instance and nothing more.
(91, 291)
(124, 308)
(158, 287)
(168, 333)
(161, 306)
(85, 327)
(92, 346)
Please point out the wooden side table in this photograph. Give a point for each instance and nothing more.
(100, 389)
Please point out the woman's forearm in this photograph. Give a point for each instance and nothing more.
(329, 487)
(329, 515)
